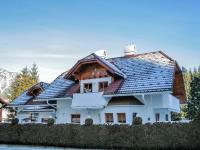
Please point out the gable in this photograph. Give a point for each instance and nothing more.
(178, 85)
(93, 66)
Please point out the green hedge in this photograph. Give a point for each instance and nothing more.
(156, 136)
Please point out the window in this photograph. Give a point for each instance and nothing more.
(87, 87)
(75, 118)
(157, 117)
(102, 86)
(121, 117)
(166, 117)
(34, 117)
(134, 115)
(109, 117)
(44, 120)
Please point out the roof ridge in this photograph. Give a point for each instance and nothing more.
(141, 54)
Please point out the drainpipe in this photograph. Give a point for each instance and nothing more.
(51, 105)
(54, 110)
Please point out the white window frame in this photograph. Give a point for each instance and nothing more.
(95, 83)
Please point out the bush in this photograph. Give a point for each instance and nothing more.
(50, 121)
(175, 116)
(197, 117)
(88, 122)
(15, 121)
(137, 121)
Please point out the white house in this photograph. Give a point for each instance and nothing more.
(108, 90)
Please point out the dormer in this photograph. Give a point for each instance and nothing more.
(94, 73)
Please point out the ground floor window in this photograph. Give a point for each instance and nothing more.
(157, 117)
(34, 117)
(166, 117)
(75, 118)
(44, 120)
(109, 117)
(121, 117)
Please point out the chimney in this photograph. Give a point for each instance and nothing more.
(130, 50)
(101, 53)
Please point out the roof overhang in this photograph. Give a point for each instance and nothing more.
(132, 94)
(95, 59)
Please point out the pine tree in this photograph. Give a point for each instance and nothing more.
(194, 98)
(187, 77)
(34, 73)
(24, 80)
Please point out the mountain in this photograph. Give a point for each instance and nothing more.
(6, 79)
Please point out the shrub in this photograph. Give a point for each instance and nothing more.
(14, 121)
(197, 117)
(175, 116)
(137, 121)
(50, 121)
(88, 122)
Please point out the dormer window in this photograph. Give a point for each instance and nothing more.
(94, 85)
(103, 86)
(87, 87)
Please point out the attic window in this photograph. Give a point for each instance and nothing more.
(87, 87)
(102, 86)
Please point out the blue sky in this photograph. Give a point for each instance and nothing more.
(56, 33)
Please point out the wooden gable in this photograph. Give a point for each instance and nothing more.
(89, 68)
(178, 85)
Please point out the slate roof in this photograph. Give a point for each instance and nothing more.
(24, 97)
(143, 73)
(57, 88)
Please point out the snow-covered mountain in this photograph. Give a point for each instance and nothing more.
(6, 79)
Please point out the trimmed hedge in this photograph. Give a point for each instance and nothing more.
(156, 136)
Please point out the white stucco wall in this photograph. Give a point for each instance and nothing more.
(5, 113)
(163, 104)
(157, 103)
(64, 112)
(23, 115)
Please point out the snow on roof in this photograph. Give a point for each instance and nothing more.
(144, 76)
(57, 88)
(142, 73)
(113, 67)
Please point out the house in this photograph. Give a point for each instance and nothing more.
(3, 111)
(107, 90)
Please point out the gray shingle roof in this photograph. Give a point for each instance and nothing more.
(57, 88)
(144, 74)
(151, 72)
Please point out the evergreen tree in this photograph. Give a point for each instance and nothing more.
(187, 77)
(194, 98)
(24, 80)
(34, 73)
